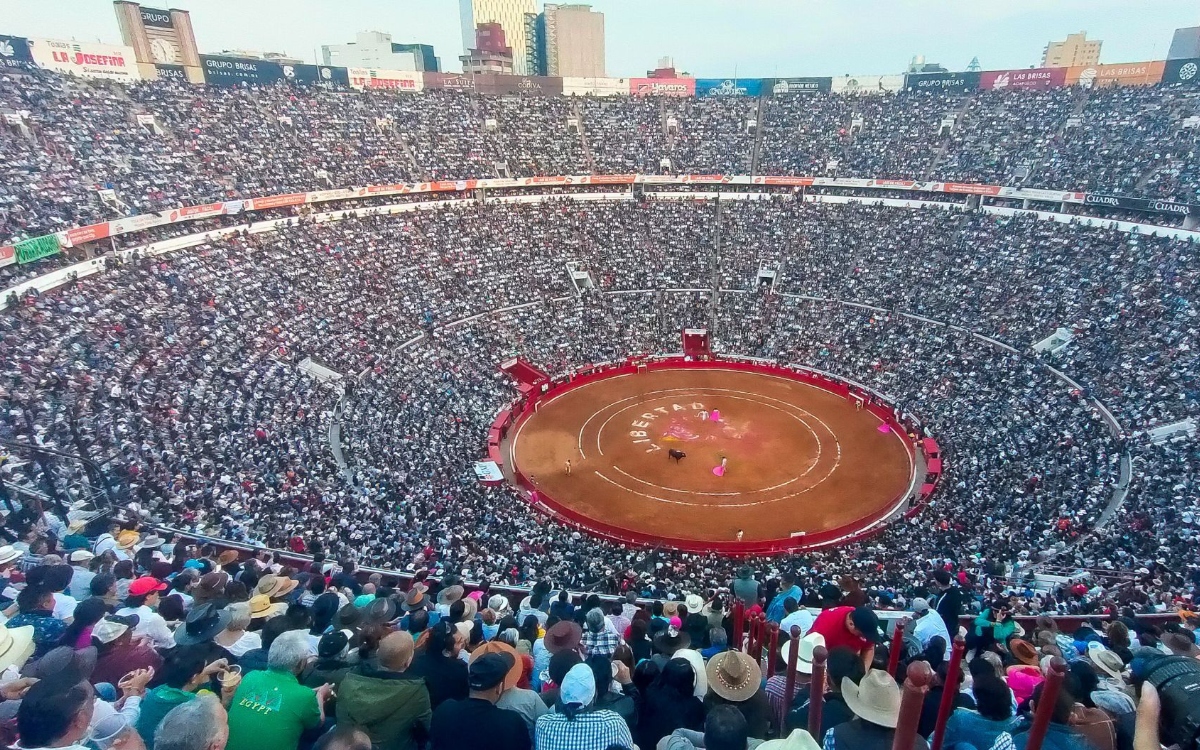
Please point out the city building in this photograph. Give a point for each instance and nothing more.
(512, 17)
(375, 49)
(573, 39)
(666, 69)
(918, 65)
(1075, 50)
(1185, 44)
(491, 53)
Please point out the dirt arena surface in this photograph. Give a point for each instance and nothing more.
(798, 458)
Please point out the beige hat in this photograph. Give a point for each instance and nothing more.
(804, 659)
(734, 676)
(261, 606)
(8, 554)
(16, 646)
(693, 603)
(797, 740)
(875, 699)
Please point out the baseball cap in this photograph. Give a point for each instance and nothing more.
(145, 585)
(918, 605)
(489, 670)
(866, 621)
(113, 627)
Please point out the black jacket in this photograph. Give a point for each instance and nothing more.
(445, 676)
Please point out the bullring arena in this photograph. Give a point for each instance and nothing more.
(773, 458)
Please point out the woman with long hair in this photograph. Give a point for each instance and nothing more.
(88, 612)
(670, 704)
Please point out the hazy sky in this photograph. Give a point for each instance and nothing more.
(708, 38)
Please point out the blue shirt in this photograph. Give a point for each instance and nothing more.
(47, 630)
(775, 612)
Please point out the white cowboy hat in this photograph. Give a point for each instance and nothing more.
(694, 658)
(804, 659)
(797, 740)
(693, 603)
(875, 699)
(8, 553)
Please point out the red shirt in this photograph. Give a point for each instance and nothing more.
(832, 624)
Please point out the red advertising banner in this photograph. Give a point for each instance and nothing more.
(8, 252)
(373, 189)
(80, 235)
(276, 201)
(196, 212)
(1028, 78)
(894, 183)
(789, 181)
(662, 86)
(971, 188)
(611, 179)
(705, 178)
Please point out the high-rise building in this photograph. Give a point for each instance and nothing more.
(375, 49)
(510, 14)
(1075, 50)
(573, 36)
(1185, 44)
(491, 53)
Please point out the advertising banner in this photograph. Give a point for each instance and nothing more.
(662, 86)
(958, 83)
(196, 212)
(510, 84)
(729, 86)
(230, 71)
(789, 86)
(90, 233)
(1185, 71)
(1122, 74)
(386, 80)
(171, 73)
(596, 86)
(450, 81)
(38, 247)
(1028, 78)
(156, 17)
(8, 255)
(971, 188)
(87, 60)
(786, 181)
(1141, 204)
(275, 201)
(137, 223)
(315, 74)
(867, 84)
(14, 52)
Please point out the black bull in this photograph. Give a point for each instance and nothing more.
(676, 454)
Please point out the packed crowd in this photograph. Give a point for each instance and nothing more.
(118, 637)
(198, 145)
(180, 376)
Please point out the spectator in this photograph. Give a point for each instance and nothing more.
(572, 725)
(736, 679)
(270, 709)
(876, 705)
(854, 627)
(201, 724)
(457, 722)
(389, 704)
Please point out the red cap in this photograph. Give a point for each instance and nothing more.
(145, 585)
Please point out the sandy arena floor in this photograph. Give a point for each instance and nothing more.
(799, 458)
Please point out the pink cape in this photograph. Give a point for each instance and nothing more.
(719, 471)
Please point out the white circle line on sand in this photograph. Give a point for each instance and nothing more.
(806, 472)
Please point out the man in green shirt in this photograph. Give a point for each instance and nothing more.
(271, 709)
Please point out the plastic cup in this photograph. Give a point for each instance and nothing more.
(230, 676)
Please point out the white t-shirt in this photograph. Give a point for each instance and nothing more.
(150, 624)
(928, 626)
(64, 606)
(801, 618)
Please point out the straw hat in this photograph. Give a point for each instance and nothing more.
(127, 539)
(1106, 661)
(734, 676)
(269, 585)
(500, 647)
(287, 586)
(804, 659)
(470, 608)
(8, 554)
(227, 557)
(261, 606)
(876, 699)
(16, 646)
